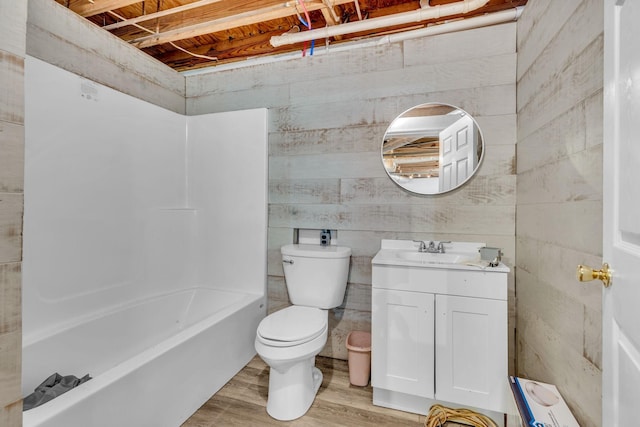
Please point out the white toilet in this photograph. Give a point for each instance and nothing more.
(289, 339)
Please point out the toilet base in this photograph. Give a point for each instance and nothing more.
(292, 392)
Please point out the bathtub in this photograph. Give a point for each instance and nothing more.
(153, 362)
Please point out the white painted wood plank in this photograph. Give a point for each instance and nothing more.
(333, 140)
(468, 73)
(341, 322)
(13, 26)
(578, 80)
(575, 35)
(563, 136)
(544, 355)
(559, 271)
(538, 25)
(12, 157)
(259, 97)
(556, 223)
(62, 38)
(480, 190)
(11, 88)
(10, 298)
(488, 100)
(498, 130)
(436, 218)
(10, 380)
(584, 26)
(11, 208)
(298, 70)
(324, 166)
(559, 309)
(593, 107)
(578, 177)
(499, 160)
(304, 191)
(496, 40)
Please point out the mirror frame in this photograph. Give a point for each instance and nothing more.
(418, 134)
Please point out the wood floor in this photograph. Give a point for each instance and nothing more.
(242, 402)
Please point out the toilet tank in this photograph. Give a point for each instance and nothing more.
(316, 276)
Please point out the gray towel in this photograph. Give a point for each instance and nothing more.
(52, 387)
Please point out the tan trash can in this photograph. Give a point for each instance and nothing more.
(359, 346)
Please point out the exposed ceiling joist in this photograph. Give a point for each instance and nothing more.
(190, 34)
(280, 10)
(88, 8)
(160, 14)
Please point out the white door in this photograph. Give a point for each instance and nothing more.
(471, 351)
(458, 153)
(621, 214)
(402, 342)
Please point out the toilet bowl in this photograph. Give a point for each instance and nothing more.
(288, 340)
(293, 378)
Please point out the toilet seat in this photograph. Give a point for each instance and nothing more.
(292, 326)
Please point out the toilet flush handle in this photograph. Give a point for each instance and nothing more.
(288, 261)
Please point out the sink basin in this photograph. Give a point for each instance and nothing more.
(433, 258)
(457, 256)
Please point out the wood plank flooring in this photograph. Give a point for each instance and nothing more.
(242, 401)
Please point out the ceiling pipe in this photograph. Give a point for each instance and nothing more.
(489, 19)
(461, 25)
(423, 14)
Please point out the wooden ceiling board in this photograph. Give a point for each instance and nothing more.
(234, 30)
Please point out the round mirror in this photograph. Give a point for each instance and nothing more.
(432, 148)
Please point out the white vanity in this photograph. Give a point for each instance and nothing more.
(439, 329)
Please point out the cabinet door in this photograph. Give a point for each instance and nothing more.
(402, 326)
(471, 351)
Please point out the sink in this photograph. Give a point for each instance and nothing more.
(457, 256)
(433, 258)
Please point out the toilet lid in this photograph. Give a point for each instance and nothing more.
(293, 325)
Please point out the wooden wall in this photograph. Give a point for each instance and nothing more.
(327, 117)
(559, 193)
(13, 19)
(66, 40)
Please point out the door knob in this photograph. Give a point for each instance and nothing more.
(587, 274)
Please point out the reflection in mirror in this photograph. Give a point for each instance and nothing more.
(432, 148)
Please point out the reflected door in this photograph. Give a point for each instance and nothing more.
(458, 153)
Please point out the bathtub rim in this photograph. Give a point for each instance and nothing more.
(60, 327)
(36, 416)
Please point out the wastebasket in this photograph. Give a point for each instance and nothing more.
(359, 346)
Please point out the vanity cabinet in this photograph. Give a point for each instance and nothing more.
(439, 335)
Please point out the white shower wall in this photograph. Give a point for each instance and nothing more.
(227, 184)
(121, 205)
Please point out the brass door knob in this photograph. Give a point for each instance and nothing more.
(587, 274)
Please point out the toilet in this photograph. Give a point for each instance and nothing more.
(289, 339)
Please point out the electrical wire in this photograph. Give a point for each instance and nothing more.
(212, 58)
(438, 415)
(307, 24)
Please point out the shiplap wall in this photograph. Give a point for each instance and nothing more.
(13, 20)
(63, 38)
(559, 198)
(327, 117)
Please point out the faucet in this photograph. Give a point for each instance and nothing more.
(441, 246)
(423, 246)
(432, 247)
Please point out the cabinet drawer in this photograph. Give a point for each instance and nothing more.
(472, 283)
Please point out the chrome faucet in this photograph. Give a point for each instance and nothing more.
(424, 248)
(432, 249)
(441, 246)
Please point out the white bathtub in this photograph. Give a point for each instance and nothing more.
(153, 363)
